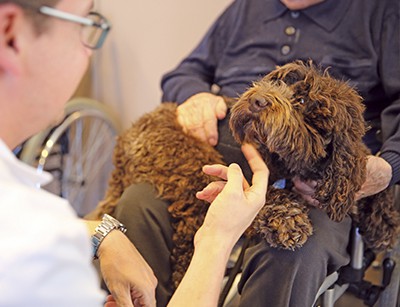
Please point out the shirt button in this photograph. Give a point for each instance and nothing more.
(290, 30)
(295, 14)
(285, 49)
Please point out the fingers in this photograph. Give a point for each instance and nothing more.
(306, 189)
(140, 299)
(211, 116)
(221, 108)
(233, 174)
(221, 171)
(257, 165)
(217, 170)
(110, 301)
(235, 178)
(199, 116)
(190, 120)
(259, 169)
(121, 297)
(210, 192)
(210, 125)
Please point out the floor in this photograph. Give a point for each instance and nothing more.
(373, 275)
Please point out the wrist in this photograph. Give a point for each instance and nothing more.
(393, 159)
(107, 225)
(214, 241)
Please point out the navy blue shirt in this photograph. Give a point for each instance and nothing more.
(358, 39)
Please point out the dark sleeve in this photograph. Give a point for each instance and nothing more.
(196, 72)
(390, 72)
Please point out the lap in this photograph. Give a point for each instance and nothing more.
(271, 277)
(276, 277)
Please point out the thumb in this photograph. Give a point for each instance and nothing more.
(235, 178)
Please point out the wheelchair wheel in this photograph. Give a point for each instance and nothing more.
(78, 153)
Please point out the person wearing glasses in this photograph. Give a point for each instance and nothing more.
(45, 253)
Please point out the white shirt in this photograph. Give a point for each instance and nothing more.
(45, 251)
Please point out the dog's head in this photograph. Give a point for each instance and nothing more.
(309, 124)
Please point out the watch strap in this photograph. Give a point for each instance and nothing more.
(107, 225)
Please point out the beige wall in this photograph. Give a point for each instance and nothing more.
(148, 39)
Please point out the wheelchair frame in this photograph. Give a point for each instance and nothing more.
(78, 152)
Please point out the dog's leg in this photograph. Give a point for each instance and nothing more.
(283, 222)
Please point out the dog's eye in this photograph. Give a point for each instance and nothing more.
(300, 100)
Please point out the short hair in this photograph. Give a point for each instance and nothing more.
(39, 21)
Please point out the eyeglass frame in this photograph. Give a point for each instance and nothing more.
(104, 26)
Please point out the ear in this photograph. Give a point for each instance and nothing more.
(346, 170)
(12, 19)
(342, 179)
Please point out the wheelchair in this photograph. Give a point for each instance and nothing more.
(349, 279)
(77, 152)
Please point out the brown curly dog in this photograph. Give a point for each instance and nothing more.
(303, 122)
(308, 125)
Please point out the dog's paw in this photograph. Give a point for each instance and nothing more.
(284, 226)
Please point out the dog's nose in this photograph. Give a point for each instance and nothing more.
(257, 103)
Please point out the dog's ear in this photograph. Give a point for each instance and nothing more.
(342, 179)
(345, 172)
(290, 73)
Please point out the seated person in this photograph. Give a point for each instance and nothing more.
(359, 41)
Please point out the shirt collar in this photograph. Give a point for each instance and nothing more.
(329, 13)
(326, 14)
(274, 9)
(20, 171)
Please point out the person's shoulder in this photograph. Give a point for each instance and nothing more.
(36, 219)
(384, 6)
(20, 198)
(43, 247)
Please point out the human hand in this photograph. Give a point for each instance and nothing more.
(379, 174)
(199, 115)
(127, 275)
(306, 189)
(234, 203)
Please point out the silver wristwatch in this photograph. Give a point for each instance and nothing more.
(107, 224)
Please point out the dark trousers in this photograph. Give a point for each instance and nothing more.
(271, 277)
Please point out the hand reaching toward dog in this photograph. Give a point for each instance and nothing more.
(199, 115)
(379, 174)
(234, 202)
(234, 206)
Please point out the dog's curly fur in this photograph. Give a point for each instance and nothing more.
(157, 151)
(303, 122)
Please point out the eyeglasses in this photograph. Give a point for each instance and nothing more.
(95, 26)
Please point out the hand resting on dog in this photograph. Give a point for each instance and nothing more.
(379, 174)
(199, 114)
